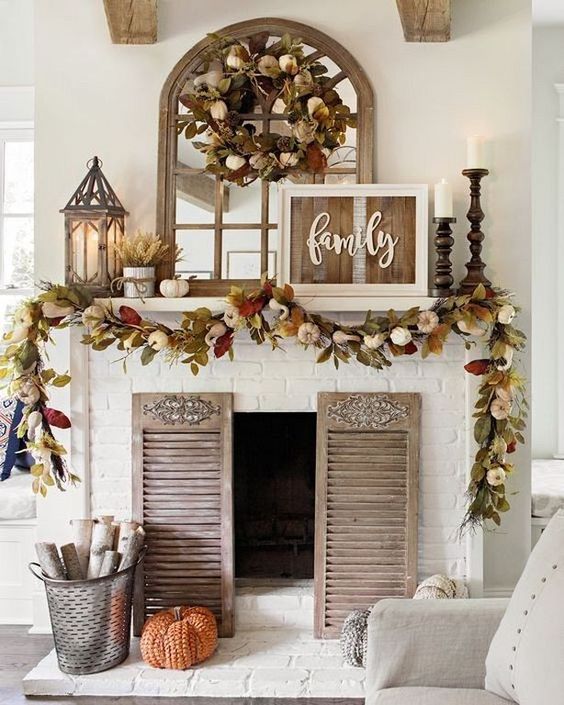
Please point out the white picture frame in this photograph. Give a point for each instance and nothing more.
(417, 288)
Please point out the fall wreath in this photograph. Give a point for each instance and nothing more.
(241, 80)
(270, 314)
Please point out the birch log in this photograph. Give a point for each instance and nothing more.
(72, 562)
(132, 548)
(102, 541)
(50, 561)
(110, 563)
(82, 538)
(115, 524)
(126, 528)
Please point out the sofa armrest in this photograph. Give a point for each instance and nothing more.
(441, 643)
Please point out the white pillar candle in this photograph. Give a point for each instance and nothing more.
(443, 199)
(475, 152)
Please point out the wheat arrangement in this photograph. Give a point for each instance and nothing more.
(144, 250)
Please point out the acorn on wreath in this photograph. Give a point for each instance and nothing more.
(179, 638)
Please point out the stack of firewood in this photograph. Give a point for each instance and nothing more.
(100, 547)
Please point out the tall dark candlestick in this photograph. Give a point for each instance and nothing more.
(442, 279)
(475, 215)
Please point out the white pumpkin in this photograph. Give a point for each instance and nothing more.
(174, 288)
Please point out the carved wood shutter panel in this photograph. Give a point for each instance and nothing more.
(182, 493)
(366, 503)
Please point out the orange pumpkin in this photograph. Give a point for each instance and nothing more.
(179, 638)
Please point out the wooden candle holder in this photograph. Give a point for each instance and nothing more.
(442, 279)
(475, 215)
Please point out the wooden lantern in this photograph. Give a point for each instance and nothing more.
(94, 225)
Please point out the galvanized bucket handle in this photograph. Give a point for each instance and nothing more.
(34, 567)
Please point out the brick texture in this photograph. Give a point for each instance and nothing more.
(267, 380)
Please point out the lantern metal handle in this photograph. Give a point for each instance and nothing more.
(94, 161)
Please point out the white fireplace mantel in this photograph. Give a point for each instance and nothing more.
(313, 303)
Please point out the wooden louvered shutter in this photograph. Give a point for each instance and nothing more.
(366, 503)
(182, 493)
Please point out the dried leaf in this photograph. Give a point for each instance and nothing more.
(257, 43)
(316, 160)
(482, 429)
(147, 355)
(435, 344)
(325, 354)
(61, 380)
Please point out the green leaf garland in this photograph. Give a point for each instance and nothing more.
(269, 315)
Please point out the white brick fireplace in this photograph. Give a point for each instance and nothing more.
(273, 653)
(262, 380)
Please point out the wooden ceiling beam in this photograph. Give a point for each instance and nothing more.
(425, 20)
(132, 21)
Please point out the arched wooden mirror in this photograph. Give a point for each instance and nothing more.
(229, 233)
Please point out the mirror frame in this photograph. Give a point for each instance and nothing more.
(323, 45)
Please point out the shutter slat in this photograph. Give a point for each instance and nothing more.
(182, 486)
(366, 503)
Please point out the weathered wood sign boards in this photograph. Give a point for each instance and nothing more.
(354, 240)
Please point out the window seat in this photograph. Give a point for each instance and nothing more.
(17, 500)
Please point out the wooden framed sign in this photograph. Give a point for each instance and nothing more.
(351, 240)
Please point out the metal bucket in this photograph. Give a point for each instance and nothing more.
(91, 619)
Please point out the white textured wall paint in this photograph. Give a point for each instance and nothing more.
(548, 69)
(97, 98)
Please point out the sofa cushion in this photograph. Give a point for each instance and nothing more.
(430, 643)
(526, 656)
(436, 696)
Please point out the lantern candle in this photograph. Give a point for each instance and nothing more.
(94, 225)
(475, 152)
(443, 199)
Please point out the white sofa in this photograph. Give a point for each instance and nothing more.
(475, 652)
(431, 652)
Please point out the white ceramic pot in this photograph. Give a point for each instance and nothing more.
(143, 287)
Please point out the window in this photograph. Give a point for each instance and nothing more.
(16, 210)
(16, 220)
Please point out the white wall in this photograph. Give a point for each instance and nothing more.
(548, 69)
(96, 98)
(16, 61)
(16, 42)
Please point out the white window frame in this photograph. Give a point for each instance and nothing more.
(12, 132)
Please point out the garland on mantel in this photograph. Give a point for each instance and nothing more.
(485, 315)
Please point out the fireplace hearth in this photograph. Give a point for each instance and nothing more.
(274, 494)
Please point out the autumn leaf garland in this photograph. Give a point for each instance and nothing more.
(269, 315)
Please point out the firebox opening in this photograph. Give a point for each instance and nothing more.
(274, 488)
